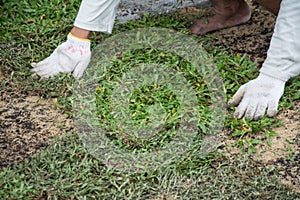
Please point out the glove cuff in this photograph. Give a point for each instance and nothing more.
(79, 41)
(266, 77)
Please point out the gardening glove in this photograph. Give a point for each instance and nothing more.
(71, 56)
(257, 96)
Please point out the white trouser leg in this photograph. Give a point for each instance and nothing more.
(97, 15)
(283, 60)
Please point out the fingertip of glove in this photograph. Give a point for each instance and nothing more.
(36, 75)
(33, 64)
(231, 103)
(239, 114)
(258, 117)
(76, 76)
(272, 113)
(33, 71)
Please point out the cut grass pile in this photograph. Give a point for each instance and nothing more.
(30, 30)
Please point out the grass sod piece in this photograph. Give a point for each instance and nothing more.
(122, 68)
(151, 94)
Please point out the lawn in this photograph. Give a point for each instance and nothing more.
(63, 168)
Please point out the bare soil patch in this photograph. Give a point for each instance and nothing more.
(284, 152)
(27, 124)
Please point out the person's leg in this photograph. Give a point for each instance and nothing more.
(271, 5)
(223, 14)
(97, 15)
(94, 15)
(81, 33)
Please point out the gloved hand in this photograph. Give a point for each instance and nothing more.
(71, 56)
(256, 96)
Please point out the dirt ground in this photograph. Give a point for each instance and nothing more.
(27, 122)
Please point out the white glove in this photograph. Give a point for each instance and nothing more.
(71, 56)
(256, 96)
